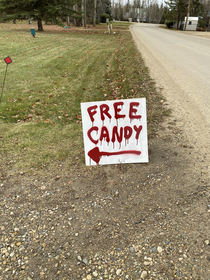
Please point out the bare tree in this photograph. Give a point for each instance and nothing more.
(94, 15)
(82, 10)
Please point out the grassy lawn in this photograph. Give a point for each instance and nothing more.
(40, 117)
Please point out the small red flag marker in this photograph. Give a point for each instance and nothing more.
(8, 60)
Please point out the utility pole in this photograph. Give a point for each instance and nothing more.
(188, 11)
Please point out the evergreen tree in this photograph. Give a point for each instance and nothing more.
(177, 11)
(196, 9)
(106, 7)
(37, 9)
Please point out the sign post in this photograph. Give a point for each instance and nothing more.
(115, 131)
(8, 60)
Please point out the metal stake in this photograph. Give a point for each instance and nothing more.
(8, 61)
(3, 83)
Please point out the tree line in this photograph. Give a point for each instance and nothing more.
(169, 12)
(55, 11)
(84, 12)
(139, 11)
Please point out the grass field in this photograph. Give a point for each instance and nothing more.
(51, 74)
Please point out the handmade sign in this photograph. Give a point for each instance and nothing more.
(115, 131)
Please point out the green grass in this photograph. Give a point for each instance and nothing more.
(40, 118)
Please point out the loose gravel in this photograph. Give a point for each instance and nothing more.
(136, 221)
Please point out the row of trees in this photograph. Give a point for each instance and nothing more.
(90, 11)
(169, 12)
(48, 10)
(139, 10)
(55, 11)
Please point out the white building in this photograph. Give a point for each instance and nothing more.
(192, 23)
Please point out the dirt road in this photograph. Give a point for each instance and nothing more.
(179, 63)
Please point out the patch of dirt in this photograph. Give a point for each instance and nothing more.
(201, 34)
(110, 221)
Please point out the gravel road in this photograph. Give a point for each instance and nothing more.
(179, 63)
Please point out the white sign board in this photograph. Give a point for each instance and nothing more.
(115, 131)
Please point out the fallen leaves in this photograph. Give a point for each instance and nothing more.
(28, 117)
(79, 118)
